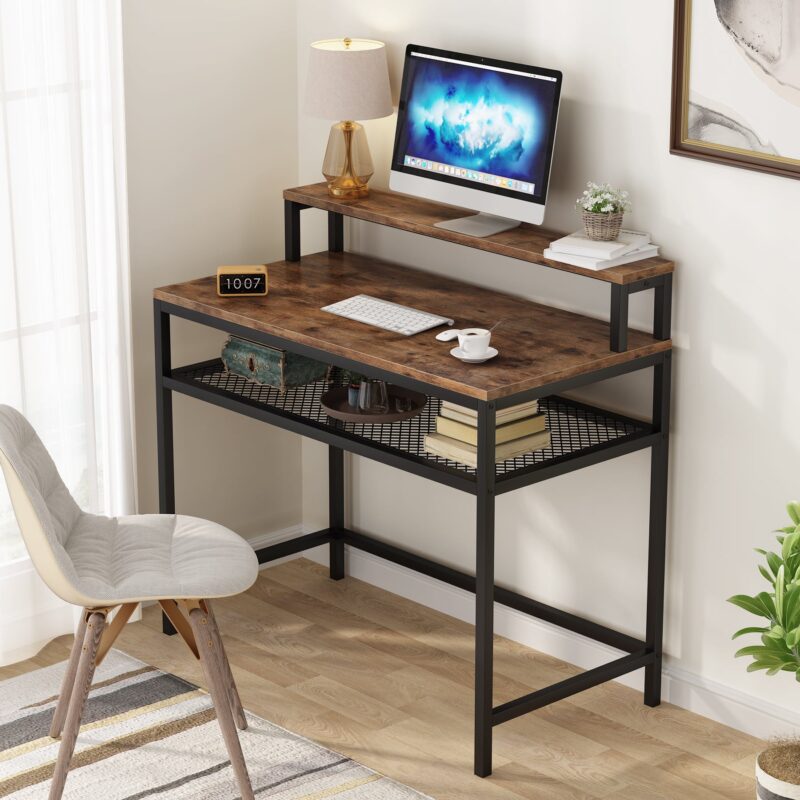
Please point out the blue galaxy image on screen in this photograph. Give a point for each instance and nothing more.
(479, 119)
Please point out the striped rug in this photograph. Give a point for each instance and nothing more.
(149, 734)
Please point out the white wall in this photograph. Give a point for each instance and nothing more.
(579, 541)
(211, 126)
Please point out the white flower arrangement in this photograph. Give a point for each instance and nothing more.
(601, 198)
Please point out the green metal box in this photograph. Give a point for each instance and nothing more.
(270, 366)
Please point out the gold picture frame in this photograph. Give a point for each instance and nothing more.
(681, 143)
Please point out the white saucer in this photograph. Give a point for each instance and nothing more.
(462, 356)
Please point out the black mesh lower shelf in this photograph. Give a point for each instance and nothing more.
(574, 427)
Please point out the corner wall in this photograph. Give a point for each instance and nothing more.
(211, 126)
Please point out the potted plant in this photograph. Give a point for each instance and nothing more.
(778, 767)
(602, 209)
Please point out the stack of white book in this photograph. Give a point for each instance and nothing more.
(581, 251)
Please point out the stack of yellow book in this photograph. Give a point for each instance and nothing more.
(520, 429)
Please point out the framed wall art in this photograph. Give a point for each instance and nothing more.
(736, 83)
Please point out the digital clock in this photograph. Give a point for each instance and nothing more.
(242, 280)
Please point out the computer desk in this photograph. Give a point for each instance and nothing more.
(543, 352)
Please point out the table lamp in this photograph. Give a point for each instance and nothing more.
(348, 79)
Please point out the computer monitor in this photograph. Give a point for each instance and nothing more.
(478, 133)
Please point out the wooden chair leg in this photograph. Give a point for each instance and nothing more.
(59, 715)
(227, 675)
(113, 630)
(180, 623)
(199, 621)
(83, 682)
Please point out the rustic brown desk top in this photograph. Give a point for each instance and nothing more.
(527, 242)
(537, 344)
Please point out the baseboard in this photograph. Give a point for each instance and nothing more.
(688, 690)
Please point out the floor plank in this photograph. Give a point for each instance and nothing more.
(388, 682)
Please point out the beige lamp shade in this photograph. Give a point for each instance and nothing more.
(348, 79)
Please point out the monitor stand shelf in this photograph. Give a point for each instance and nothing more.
(524, 243)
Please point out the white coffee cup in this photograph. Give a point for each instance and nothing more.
(474, 341)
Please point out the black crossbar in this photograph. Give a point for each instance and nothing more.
(506, 597)
(578, 683)
(296, 545)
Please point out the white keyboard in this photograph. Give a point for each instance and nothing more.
(383, 314)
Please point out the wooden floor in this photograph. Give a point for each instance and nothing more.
(388, 682)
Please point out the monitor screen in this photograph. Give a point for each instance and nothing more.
(477, 122)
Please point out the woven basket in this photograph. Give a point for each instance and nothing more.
(767, 786)
(602, 227)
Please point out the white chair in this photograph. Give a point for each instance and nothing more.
(103, 563)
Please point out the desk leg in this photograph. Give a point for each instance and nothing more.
(656, 560)
(484, 590)
(166, 452)
(336, 509)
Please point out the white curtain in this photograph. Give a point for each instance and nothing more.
(64, 288)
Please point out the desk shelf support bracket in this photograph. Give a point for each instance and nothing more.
(291, 220)
(662, 309)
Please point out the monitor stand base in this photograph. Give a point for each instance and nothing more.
(479, 225)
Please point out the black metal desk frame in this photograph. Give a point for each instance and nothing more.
(484, 484)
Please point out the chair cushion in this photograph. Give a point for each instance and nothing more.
(157, 556)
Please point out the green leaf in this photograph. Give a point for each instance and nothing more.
(798, 675)
(775, 562)
(776, 632)
(768, 576)
(792, 612)
(793, 509)
(780, 591)
(751, 604)
(791, 604)
(760, 550)
(767, 602)
(757, 665)
(744, 631)
(764, 653)
(789, 544)
(775, 645)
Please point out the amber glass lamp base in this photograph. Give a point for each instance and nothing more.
(348, 163)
